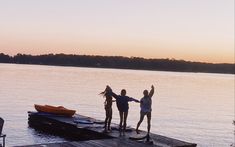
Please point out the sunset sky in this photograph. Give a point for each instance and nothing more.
(195, 30)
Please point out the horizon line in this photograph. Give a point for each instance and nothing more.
(172, 59)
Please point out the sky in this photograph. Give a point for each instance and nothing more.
(192, 30)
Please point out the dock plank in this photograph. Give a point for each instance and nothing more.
(67, 126)
(117, 142)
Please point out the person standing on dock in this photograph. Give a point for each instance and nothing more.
(108, 108)
(146, 108)
(123, 106)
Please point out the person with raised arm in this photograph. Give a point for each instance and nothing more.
(146, 108)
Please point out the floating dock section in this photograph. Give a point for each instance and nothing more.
(88, 132)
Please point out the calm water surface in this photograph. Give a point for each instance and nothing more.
(195, 107)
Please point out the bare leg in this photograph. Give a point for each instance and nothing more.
(121, 120)
(140, 121)
(105, 124)
(125, 118)
(149, 121)
(106, 120)
(110, 118)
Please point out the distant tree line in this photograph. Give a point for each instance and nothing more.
(118, 62)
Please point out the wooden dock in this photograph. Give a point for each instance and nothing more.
(88, 132)
(117, 142)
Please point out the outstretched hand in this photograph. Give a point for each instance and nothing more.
(152, 87)
(151, 91)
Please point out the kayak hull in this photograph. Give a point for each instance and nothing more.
(54, 110)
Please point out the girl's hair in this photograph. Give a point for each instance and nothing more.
(105, 92)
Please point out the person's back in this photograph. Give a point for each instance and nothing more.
(122, 103)
(146, 108)
(146, 104)
(108, 101)
(123, 106)
(108, 107)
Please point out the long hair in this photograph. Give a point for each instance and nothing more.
(106, 91)
(103, 93)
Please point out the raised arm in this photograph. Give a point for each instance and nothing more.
(151, 91)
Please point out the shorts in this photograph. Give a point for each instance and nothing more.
(145, 113)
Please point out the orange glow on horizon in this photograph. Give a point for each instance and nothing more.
(184, 30)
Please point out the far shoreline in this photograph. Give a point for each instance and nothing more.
(119, 62)
(118, 68)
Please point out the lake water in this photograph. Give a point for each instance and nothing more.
(194, 107)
